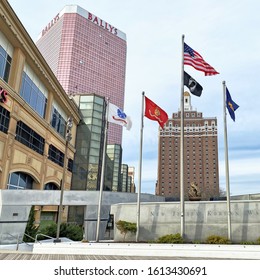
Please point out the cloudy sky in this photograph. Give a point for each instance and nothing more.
(224, 32)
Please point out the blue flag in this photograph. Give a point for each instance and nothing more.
(231, 105)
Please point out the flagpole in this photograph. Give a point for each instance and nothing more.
(102, 172)
(140, 171)
(226, 161)
(182, 210)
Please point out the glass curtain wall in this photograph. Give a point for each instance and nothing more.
(89, 143)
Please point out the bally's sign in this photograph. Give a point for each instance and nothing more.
(50, 24)
(3, 95)
(87, 15)
(102, 23)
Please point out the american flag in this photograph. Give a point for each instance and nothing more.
(195, 60)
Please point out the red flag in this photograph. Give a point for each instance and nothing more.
(155, 113)
(195, 60)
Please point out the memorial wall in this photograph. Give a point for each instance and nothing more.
(201, 219)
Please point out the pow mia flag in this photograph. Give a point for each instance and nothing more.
(194, 87)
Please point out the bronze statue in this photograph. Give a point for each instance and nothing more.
(194, 190)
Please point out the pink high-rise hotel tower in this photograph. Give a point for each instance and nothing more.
(87, 55)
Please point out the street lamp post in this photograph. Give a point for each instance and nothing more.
(68, 138)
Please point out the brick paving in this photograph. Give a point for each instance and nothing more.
(6, 255)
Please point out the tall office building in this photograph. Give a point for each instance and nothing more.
(87, 55)
(200, 154)
(113, 170)
(131, 179)
(124, 178)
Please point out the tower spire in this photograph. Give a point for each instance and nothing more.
(187, 101)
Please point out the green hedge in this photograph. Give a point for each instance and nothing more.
(215, 239)
(71, 231)
(171, 238)
(124, 227)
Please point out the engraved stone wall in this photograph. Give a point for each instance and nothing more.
(201, 219)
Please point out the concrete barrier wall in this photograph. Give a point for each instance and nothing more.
(13, 221)
(202, 219)
(15, 207)
(41, 197)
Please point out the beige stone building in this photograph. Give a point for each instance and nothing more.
(34, 110)
(200, 154)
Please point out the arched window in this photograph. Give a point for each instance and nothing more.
(20, 181)
(51, 187)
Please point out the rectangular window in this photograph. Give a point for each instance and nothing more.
(70, 165)
(28, 137)
(32, 94)
(4, 119)
(5, 64)
(56, 155)
(58, 122)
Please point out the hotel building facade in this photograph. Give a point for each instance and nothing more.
(34, 111)
(200, 154)
(87, 55)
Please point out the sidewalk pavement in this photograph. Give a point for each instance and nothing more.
(143, 250)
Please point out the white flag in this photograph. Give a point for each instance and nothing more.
(117, 116)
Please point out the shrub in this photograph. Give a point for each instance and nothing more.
(73, 232)
(215, 239)
(196, 242)
(258, 241)
(248, 243)
(124, 227)
(31, 229)
(171, 238)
